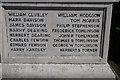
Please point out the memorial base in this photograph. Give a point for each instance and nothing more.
(78, 71)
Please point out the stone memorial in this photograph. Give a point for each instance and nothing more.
(55, 38)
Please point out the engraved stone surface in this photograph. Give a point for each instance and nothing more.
(50, 33)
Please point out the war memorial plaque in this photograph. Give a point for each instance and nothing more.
(60, 33)
(54, 32)
(63, 38)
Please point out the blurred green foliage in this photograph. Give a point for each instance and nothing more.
(118, 28)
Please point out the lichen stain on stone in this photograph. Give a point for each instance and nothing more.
(35, 68)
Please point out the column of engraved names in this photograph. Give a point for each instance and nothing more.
(27, 32)
(81, 34)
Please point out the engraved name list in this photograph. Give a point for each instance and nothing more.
(53, 32)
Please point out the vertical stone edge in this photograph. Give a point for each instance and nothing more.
(107, 36)
(107, 32)
(0, 40)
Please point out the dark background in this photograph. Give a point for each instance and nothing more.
(114, 46)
